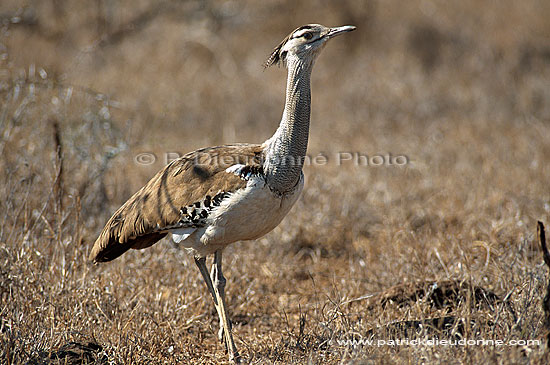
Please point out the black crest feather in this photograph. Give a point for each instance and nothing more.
(277, 56)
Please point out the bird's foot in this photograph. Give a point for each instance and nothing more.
(232, 352)
(236, 358)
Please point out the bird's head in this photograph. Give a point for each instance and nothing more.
(305, 43)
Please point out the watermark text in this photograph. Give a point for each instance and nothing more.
(342, 158)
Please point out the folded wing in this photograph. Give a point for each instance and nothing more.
(163, 205)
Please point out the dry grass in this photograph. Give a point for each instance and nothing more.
(461, 88)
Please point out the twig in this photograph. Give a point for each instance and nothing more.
(546, 301)
(542, 240)
(58, 187)
(58, 182)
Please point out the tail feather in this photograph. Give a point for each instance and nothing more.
(127, 228)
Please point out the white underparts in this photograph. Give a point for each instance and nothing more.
(245, 214)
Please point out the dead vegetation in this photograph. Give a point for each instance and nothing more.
(444, 247)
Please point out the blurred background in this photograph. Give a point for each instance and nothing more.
(462, 88)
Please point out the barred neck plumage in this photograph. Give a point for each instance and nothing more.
(286, 150)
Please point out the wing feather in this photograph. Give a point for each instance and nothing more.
(145, 218)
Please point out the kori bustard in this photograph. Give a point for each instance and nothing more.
(215, 196)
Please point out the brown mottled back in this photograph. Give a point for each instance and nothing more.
(144, 218)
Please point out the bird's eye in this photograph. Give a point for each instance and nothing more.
(307, 35)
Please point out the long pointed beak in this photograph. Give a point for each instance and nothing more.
(333, 32)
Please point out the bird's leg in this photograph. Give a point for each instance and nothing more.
(201, 263)
(213, 277)
(218, 295)
(225, 324)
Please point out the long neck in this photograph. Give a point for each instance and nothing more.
(286, 150)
